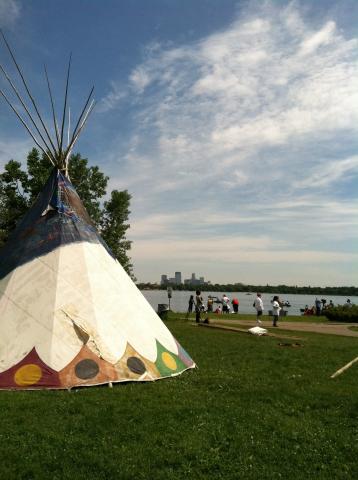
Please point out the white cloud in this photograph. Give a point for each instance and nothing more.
(139, 79)
(9, 12)
(231, 128)
(112, 99)
(330, 172)
(226, 91)
(14, 149)
(241, 250)
(201, 249)
(321, 38)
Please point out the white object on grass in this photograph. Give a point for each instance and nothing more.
(258, 331)
(341, 370)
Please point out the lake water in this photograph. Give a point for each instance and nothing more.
(179, 300)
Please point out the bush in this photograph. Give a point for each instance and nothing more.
(342, 314)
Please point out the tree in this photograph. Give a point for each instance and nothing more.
(19, 189)
(13, 198)
(114, 228)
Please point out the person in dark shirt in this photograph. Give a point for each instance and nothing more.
(191, 304)
(198, 305)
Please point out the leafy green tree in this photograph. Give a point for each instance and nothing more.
(19, 189)
(90, 185)
(38, 171)
(114, 226)
(13, 198)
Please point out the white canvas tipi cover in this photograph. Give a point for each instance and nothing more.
(69, 313)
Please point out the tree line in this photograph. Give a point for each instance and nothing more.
(19, 188)
(241, 287)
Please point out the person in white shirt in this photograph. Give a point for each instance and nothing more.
(258, 304)
(226, 303)
(275, 310)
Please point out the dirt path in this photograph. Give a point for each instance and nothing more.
(329, 328)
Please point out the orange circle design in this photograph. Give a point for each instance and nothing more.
(28, 375)
(169, 361)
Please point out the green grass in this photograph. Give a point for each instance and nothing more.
(354, 328)
(252, 410)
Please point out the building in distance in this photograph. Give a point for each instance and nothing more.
(195, 281)
(177, 280)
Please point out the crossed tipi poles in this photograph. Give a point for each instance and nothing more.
(55, 148)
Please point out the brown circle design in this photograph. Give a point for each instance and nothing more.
(86, 369)
(136, 365)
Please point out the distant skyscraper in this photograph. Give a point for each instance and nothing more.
(178, 278)
(164, 280)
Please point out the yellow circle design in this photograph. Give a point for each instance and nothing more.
(27, 375)
(169, 361)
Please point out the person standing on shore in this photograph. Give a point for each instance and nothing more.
(226, 303)
(190, 306)
(275, 310)
(318, 305)
(235, 305)
(198, 305)
(258, 304)
(210, 303)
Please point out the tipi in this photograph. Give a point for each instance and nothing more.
(69, 313)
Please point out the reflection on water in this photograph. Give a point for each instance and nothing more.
(179, 300)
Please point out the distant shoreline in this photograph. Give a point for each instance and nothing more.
(238, 287)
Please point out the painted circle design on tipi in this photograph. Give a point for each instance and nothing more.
(28, 375)
(136, 365)
(86, 369)
(169, 361)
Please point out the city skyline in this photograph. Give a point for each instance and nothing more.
(233, 125)
(177, 280)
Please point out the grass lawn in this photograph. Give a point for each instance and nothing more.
(252, 410)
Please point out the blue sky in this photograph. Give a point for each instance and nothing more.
(234, 125)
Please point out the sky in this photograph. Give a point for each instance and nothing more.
(233, 125)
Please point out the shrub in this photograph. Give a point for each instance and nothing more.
(342, 314)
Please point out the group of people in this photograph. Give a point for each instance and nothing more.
(224, 305)
(276, 308)
(320, 305)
